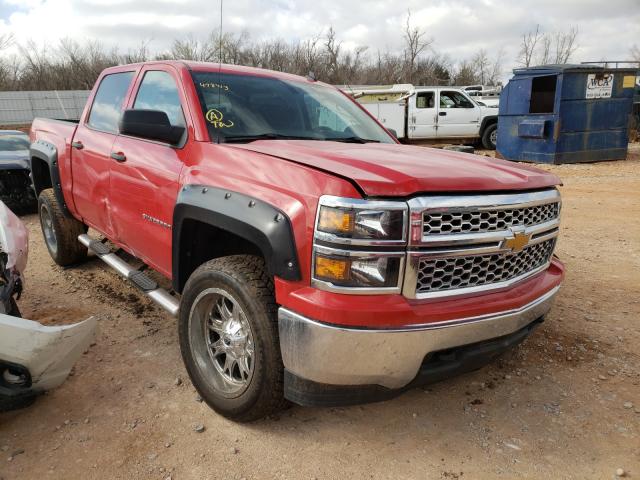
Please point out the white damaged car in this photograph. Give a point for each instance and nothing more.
(33, 357)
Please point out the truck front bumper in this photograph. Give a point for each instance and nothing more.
(322, 357)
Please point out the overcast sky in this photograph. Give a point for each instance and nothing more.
(607, 28)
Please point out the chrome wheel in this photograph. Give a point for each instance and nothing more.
(47, 228)
(222, 341)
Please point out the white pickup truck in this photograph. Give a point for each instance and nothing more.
(413, 113)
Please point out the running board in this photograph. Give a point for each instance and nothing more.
(138, 278)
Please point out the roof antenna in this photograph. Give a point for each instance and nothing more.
(312, 76)
(219, 66)
(220, 41)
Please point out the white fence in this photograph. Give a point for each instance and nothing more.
(20, 108)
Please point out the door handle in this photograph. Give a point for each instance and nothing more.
(442, 114)
(77, 144)
(118, 157)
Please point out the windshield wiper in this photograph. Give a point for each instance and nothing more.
(262, 136)
(279, 136)
(352, 140)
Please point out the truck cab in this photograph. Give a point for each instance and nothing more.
(443, 113)
(440, 114)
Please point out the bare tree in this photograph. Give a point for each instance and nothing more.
(495, 70)
(6, 40)
(10, 73)
(557, 47)
(545, 55)
(481, 64)
(76, 65)
(5, 70)
(388, 68)
(307, 56)
(635, 54)
(565, 44)
(415, 43)
(528, 46)
(433, 70)
(191, 48)
(138, 54)
(465, 74)
(332, 48)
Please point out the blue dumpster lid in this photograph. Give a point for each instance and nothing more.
(569, 67)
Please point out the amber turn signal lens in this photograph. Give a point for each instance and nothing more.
(335, 220)
(331, 269)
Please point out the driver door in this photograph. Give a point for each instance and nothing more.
(458, 116)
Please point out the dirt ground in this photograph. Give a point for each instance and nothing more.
(565, 404)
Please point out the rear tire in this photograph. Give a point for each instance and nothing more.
(60, 232)
(490, 136)
(229, 340)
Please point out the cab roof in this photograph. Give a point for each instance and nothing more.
(212, 67)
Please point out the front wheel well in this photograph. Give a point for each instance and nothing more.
(40, 174)
(487, 123)
(201, 242)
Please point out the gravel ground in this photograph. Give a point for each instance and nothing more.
(565, 404)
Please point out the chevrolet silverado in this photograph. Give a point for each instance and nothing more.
(312, 258)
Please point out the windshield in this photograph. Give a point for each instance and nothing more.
(14, 142)
(247, 107)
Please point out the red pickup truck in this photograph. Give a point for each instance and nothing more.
(312, 257)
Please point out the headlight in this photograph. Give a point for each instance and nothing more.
(361, 222)
(342, 224)
(343, 268)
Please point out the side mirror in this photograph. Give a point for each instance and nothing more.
(393, 132)
(150, 124)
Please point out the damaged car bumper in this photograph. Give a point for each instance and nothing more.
(332, 365)
(35, 358)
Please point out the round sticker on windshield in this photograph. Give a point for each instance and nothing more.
(216, 118)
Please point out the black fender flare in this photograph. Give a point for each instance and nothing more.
(48, 153)
(256, 221)
(486, 121)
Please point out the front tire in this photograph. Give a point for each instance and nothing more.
(60, 232)
(490, 137)
(229, 337)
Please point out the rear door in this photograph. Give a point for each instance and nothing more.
(423, 114)
(91, 148)
(145, 173)
(458, 116)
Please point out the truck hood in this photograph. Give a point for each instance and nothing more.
(382, 170)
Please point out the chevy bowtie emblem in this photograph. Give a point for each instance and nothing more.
(517, 241)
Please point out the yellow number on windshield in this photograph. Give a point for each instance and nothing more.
(216, 118)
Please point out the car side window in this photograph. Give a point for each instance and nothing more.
(450, 99)
(158, 91)
(425, 100)
(107, 104)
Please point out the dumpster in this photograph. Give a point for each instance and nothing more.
(636, 108)
(566, 114)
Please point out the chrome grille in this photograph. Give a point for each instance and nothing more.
(490, 220)
(438, 274)
(461, 244)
